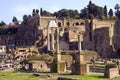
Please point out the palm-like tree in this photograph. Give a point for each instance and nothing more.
(117, 7)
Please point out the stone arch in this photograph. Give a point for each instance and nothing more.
(59, 24)
(41, 66)
(77, 23)
(73, 24)
(82, 23)
(68, 24)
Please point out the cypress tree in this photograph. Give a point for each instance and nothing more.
(105, 11)
(110, 13)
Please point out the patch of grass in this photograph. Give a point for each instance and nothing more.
(87, 77)
(17, 76)
(11, 75)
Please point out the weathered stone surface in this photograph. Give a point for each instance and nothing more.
(62, 67)
(63, 78)
(81, 69)
(101, 36)
(111, 71)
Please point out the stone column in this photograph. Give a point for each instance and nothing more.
(57, 42)
(79, 44)
(48, 40)
(52, 32)
(80, 54)
(58, 55)
(57, 47)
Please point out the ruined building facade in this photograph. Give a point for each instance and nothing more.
(100, 36)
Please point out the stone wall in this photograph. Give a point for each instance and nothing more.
(62, 67)
(7, 39)
(116, 36)
(39, 66)
(99, 37)
(102, 42)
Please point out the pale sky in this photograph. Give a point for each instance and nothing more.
(10, 8)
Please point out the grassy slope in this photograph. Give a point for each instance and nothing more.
(28, 76)
(87, 77)
(16, 76)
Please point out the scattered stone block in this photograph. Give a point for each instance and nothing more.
(63, 78)
(62, 67)
(111, 71)
(36, 74)
(81, 69)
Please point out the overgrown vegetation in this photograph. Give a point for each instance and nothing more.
(87, 77)
(11, 75)
(8, 31)
(45, 57)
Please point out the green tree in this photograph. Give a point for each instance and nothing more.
(2, 23)
(100, 12)
(41, 12)
(76, 14)
(110, 13)
(29, 16)
(90, 7)
(72, 13)
(46, 13)
(34, 12)
(117, 13)
(14, 19)
(105, 11)
(92, 11)
(37, 11)
(65, 13)
(117, 7)
(84, 13)
(25, 18)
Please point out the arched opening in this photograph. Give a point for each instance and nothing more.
(77, 24)
(41, 66)
(59, 24)
(68, 24)
(82, 23)
(73, 24)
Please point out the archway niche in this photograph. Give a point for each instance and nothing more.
(68, 24)
(77, 24)
(59, 24)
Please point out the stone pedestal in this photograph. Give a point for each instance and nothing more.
(62, 67)
(80, 67)
(58, 67)
(111, 71)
